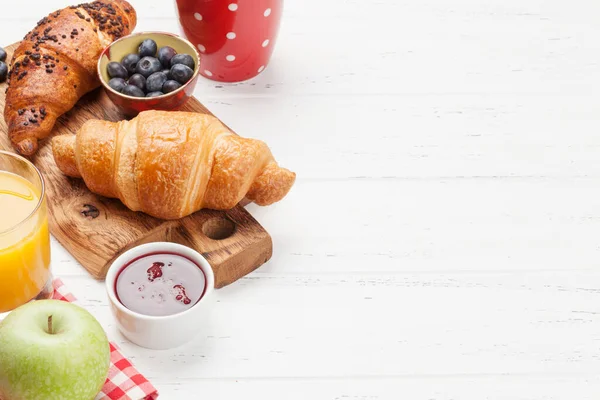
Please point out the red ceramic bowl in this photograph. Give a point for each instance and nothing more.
(131, 106)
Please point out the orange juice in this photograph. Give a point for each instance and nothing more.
(24, 241)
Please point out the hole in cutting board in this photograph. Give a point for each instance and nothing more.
(218, 228)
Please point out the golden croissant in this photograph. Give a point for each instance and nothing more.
(55, 65)
(171, 164)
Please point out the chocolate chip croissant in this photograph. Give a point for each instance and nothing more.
(55, 65)
(171, 164)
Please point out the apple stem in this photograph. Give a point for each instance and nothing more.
(50, 325)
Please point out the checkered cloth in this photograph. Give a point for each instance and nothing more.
(124, 381)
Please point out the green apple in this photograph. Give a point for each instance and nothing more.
(51, 349)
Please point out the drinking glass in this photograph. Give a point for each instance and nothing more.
(24, 238)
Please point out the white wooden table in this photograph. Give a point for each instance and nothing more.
(442, 241)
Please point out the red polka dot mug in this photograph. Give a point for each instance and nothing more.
(235, 38)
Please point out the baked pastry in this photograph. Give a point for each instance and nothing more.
(55, 65)
(171, 164)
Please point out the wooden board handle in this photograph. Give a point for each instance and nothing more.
(232, 241)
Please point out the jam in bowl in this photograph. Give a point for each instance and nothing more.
(160, 284)
(160, 293)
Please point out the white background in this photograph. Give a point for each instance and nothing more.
(442, 241)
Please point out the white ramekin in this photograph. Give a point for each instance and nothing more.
(160, 332)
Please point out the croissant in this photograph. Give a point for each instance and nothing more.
(55, 65)
(171, 164)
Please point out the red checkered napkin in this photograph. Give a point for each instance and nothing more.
(124, 381)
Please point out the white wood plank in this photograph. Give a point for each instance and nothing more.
(524, 387)
(525, 48)
(334, 138)
(448, 225)
(331, 137)
(383, 325)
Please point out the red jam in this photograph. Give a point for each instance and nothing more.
(160, 284)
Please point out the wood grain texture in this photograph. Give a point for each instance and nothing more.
(96, 230)
(440, 326)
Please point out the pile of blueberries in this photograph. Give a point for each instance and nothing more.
(3, 66)
(151, 73)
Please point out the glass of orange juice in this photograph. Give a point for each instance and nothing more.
(24, 237)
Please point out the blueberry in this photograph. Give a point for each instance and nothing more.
(3, 71)
(170, 86)
(137, 80)
(130, 61)
(168, 72)
(133, 91)
(156, 81)
(154, 94)
(3, 54)
(184, 59)
(147, 48)
(181, 73)
(165, 54)
(147, 66)
(116, 70)
(117, 84)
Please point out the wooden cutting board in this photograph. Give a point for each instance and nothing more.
(96, 230)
